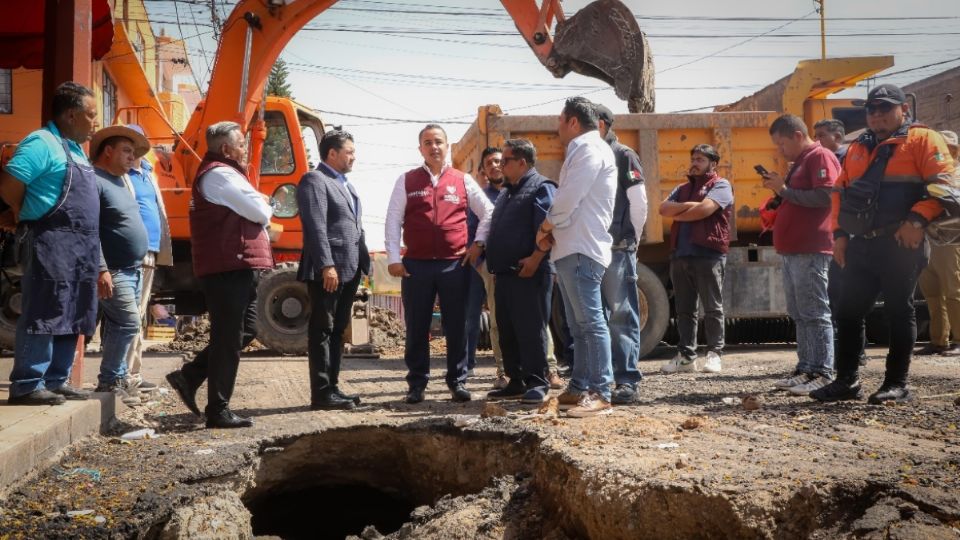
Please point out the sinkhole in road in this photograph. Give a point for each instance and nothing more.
(338, 482)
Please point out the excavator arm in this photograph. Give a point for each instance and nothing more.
(602, 40)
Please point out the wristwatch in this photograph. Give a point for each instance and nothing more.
(916, 224)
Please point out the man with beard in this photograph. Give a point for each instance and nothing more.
(702, 210)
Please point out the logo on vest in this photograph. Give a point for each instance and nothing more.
(419, 193)
(451, 196)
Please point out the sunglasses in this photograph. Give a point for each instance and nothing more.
(883, 107)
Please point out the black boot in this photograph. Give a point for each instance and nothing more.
(225, 418)
(186, 391)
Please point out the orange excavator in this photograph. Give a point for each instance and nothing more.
(602, 40)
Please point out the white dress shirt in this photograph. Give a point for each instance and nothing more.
(583, 204)
(227, 187)
(476, 199)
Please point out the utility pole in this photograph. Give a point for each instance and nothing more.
(823, 29)
(215, 18)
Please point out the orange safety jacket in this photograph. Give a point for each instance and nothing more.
(921, 157)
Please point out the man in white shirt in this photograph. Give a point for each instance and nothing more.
(429, 204)
(578, 229)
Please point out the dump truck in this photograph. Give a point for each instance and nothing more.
(754, 303)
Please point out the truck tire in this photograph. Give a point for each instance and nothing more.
(283, 310)
(9, 309)
(654, 309)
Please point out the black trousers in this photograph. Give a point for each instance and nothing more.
(834, 286)
(522, 318)
(329, 318)
(878, 266)
(232, 303)
(428, 280)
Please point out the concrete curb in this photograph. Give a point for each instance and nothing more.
(31, 437)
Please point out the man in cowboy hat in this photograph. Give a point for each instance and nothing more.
(123, 245)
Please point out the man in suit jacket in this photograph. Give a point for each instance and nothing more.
(334, 257)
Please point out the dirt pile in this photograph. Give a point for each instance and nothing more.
(191, 336)
(387, 332)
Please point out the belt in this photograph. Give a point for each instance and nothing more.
(150, 259)
(882, 231)
(624, 245)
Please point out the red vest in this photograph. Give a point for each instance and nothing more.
(435, 220)
(221, 239)
(711, 232)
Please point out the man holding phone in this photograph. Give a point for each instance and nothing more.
(802, 236)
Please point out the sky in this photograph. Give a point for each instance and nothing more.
(382, 69)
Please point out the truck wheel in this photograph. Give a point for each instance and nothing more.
(10, 298)
(654, 309)
(283, 310)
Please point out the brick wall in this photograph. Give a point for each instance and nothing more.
(938, 99)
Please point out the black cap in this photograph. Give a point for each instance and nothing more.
(605, 114)
(890, 93)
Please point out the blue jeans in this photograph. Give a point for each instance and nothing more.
(621, 301)
(476, 295)
(580, 278)
(805, 285)
(40, 360)
(121, 323)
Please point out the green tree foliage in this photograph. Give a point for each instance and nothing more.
(277, 84)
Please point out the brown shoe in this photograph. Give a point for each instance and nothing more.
(569, 399)
(501, 382)
(931, 349)
(951, 350)
(555, 381)
(591, 405)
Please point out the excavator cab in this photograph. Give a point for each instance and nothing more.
(602, 41)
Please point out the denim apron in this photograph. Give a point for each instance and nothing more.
(63, 258)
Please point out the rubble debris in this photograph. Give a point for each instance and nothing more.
(387, 333)
(550, 408)
(751, 402)
(492, 409)
(693, 422)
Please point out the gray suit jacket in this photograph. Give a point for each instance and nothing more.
(332, 235)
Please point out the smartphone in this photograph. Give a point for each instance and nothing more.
(760, 170)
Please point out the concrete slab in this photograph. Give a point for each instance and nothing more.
(31, 437)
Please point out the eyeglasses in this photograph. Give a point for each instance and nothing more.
(883, 107)
(505, 160)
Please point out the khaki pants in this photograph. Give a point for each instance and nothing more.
(940, 284)
(135, 354)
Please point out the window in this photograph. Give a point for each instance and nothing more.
(277, 149)
(109, 99)
(6, 91)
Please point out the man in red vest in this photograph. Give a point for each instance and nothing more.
(429, 204)
(230, 247)
(702, 209)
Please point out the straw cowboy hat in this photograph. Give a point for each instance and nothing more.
(140, 143)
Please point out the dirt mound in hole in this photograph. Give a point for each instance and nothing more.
(194, 336)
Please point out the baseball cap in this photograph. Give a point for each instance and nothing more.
(890, 93)
(605, 114)
(951, 138)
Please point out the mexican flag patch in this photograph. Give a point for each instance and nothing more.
(634, 174)
(823, 173)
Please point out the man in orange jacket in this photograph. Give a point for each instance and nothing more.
(879, 213)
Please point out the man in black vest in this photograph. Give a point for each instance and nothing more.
(333, 259)
(523, 273)
(619, 285)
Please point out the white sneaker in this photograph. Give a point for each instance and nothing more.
(679, 364)
(790, 382)
(816, 382)
(712, 365)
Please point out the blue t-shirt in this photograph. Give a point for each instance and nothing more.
(722, 194)
(142, 182)
(40, 163)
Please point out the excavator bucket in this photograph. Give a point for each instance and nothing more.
(604, 41)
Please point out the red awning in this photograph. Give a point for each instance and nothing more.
(21, 33)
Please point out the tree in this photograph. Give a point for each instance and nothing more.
(277, 84)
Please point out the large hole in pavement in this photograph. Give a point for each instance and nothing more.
(338, 482)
